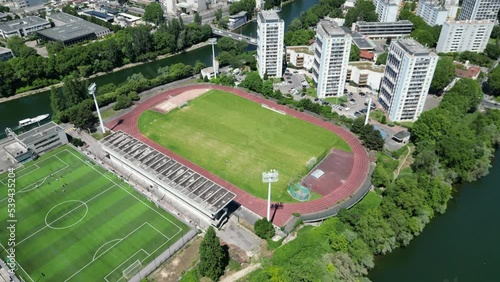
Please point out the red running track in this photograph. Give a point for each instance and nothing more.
(359, 172)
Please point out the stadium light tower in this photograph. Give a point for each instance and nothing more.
(213, 41)
(92, 89)
(368, 111)
(269, 177)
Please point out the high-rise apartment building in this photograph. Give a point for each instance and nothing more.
(331, 57)
(387, 10)
(407, 78)
(432, 12)
(476, 10)
(460, 36)
(270, 36)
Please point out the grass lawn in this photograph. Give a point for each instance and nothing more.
(77, 221)
(108, 113)
(377, 115)
(311, 91)
(238, 139)
(337, 100)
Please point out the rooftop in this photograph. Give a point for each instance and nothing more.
(65, 18)
(100, 15)
(178, 179)
(401, 135)
(368, 66)
(22, 23)
(300, 49)
(412, 47)
(366, 55)
(72, 30)
(469, 22)
(329, 28)
(36, 133)
(269, 16)
(397, 23)
(238, 15)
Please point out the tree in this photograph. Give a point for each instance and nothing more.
(198, 66)
(443, 75)
(492, 50)
(197, 18)
(122, 102)
(364, 11)
(354, 54)
(264, 228)
(153, 13)
(493, 84)
(381, 59)
(252, 82)
(81, 115)
(232, 46)
(218, 14)
(213, 258)
(7, 80)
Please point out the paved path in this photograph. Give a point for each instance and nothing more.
(358, 175)
(242, 273)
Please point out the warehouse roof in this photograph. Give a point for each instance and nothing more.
(72, 30)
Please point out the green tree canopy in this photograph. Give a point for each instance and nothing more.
(213, 258)
(443, 75)
(381, 59)
(153, 13)
(364, 11)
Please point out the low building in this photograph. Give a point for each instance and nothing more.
(366, 56)
(301, 57)
(23, 27)
(23, 4)
(98, 15)
(377, 30)
(365, 74)
(432, 13)
(5, 54)
(70, 30)
(3, 17)
(42, 138)
(402, 136)
(209, 72)
(466, 70)
(18, 152)
(127, 19)
(237, 20)
(460, 36)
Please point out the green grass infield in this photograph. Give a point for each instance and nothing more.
(238, 139)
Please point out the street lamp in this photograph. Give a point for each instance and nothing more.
(213, 41)
(269, 177)
(92, 89)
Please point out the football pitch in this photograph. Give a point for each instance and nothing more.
(238, 139)
(79, 222)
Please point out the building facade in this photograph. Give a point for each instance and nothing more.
(460, 36)
(452, 7)
(270, 36)
(43, 138)
(433, 13)
(387, 10)
(237, 20)
(376, 30)
(302, 57)
(407, 78)
(22, 4)
(5, 54)
(365, 74)
(23, 27)
(331, 57)
(476, 10)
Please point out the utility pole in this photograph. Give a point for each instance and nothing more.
(269, 177)
(213, 41)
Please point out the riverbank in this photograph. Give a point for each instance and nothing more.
(127, 66)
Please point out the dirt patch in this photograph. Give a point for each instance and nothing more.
(173, 102)
(181, 262)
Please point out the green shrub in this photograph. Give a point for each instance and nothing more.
(122, 102)
(264, 228)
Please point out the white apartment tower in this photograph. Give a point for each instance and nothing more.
(433, 13)
(270, 36)
(331, 57)
(460, 36)
(387, 10)
(452, 7)
(407, 78)
(476, 10)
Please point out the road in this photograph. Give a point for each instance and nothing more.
(224, 33)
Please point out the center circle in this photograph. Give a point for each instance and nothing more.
(66, 214)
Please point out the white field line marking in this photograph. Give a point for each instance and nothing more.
(32, 234)
(128, 192)
(96, 252)
(18, 264)
(106, 277)
(120, 240)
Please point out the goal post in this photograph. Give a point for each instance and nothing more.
(132, 270)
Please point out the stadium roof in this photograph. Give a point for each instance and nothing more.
(73, 30)
(22, 23)
(36, 133)
(186, 184)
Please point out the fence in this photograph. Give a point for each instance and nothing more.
(163, 256)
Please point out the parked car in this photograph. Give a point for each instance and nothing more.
(316, 99)
(343, 105)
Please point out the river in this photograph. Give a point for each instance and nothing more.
(461, 245)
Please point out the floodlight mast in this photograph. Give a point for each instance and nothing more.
(269, 177)
(213, 41)
(92, 89)
(368, 111)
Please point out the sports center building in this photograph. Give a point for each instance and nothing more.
(191, 190)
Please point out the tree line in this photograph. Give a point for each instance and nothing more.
(29, 71)
(453, 143)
